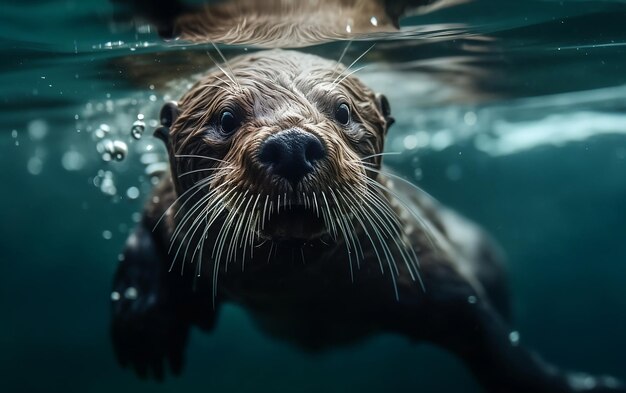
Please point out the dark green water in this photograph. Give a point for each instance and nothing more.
(511, 112)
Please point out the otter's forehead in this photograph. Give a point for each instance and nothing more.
(279, 81)
(278, 94)
(284, 81)
(281, 63)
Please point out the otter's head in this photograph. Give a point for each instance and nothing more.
(275, 145)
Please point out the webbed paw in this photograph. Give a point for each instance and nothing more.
(146, 328)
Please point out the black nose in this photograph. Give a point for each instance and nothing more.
(291, 154)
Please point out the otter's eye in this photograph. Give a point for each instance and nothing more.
(342, 114)
(229, 122)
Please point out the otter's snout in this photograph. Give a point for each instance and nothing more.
(291, 154)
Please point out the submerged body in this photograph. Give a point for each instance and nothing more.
(277, 201)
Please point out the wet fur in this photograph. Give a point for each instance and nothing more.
(312, 294)
(274, 23)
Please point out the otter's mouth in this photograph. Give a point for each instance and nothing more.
(294, 223)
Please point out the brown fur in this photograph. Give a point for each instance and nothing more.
(327, 297)
(272, 101)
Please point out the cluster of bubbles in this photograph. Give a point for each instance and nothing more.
(104, 180)
(112, 150)
(114, 142)
(115, 128)
(34, 139)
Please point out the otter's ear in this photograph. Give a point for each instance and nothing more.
(385, 109)
(169, 113)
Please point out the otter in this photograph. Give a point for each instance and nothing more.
(277, 200)
(272, 23)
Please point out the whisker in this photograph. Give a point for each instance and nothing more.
(330, 215)
(269, 255)
(204, 170)
(252, 223)
(348, 75)
(195, 207)
(264, 210)
(199, 156)
(344, 231)
(395, 233)
(239, 232)
(200, 247)
(381, 154)
(236, 222)
(219, 87)
(232, 76)
(428, 229)
(353, 63)
(223, 71)
(388, 255)
(199, 184)
(405, 181)
(351, 230)
(195, 225)
(345, 50)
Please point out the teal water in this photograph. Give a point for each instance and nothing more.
(511, 112)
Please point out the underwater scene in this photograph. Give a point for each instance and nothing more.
(511, 113)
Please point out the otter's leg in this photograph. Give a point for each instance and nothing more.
(152, 309)
(459, 320)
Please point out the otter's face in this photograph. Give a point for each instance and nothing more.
(276, 146)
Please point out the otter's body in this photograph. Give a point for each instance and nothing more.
(277, 201)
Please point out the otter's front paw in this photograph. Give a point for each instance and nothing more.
(146, 333)
(146, 328)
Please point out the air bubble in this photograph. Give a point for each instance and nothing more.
(470, 118)
(131, 293)
(471, 299)
(72, 161)
(112, 150)
(132, 193)
(34, 165)
(410, 142)
(107, 185)
(37, 129)
(102, 131)
(115, 296)
(514, 337)
(137, 129)
(156, 169)
(150, 158)
(107, 235)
